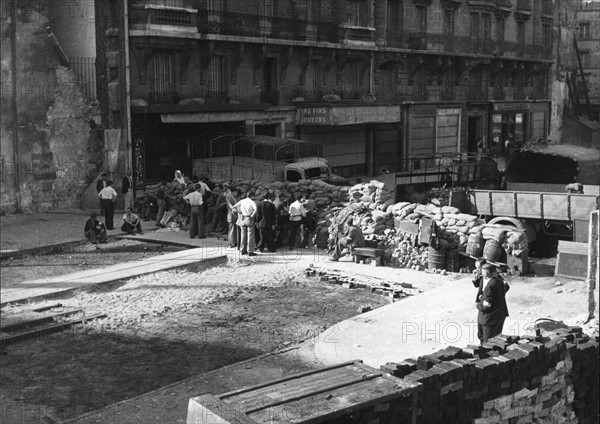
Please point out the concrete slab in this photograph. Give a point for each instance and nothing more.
(64, 283)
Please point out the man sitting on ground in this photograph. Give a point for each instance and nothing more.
(131, 222)
(353, 239)
(95, 230)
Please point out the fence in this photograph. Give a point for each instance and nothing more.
(85, 70)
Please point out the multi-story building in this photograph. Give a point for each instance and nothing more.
(374, 82)
(588, 41)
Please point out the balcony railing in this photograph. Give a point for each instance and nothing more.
(146, 15)
(250, 25)
(351, 33)
(395, 39)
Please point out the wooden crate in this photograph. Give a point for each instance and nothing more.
(344, 394)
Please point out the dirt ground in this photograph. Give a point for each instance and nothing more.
(167, 326)
(164, 327)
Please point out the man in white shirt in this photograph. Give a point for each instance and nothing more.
(297, 213)
(107, 196)
(247, 211)
(195, 200)
(131, 222)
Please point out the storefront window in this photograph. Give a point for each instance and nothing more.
(508, 129)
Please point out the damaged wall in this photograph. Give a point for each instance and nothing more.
(59, 153)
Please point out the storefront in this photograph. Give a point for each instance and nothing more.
(433, 129)
(166, 141)
(357, 140)
(477, 126)
(513, 124)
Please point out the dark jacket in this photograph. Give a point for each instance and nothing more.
(100, 185)
(267, 215)
(495, 295)
(93, 224)
(125, 185)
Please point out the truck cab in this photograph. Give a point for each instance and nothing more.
(312, 168)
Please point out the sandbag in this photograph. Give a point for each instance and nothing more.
(450, 209)
(490, 233)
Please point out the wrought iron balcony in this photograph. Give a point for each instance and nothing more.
(144, 15)
(251, 25)
(353, 33)
(395, 39)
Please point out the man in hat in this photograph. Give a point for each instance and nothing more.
(491, 304)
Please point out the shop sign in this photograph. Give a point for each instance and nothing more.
(448, 111)
(313, 116)
(348, 115)
(511, 106)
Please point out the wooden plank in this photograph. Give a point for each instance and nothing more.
(38, 321)
(210, 409)
(572, 247)
(46, 330)
(47, 308)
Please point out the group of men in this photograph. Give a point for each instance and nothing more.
(108, 196)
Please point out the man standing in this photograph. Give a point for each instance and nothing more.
(352, 240)
(108, 196)
(127, 189)
(131, 222)
(491, 304)
(94, 230)
(161, 202)
(310, 224)
(247, 210)
(196, 202)
(266, 223)
(297, 213)
(231, 199)
(100, 184)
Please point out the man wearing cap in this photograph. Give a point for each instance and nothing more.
(194, 199)
(94, 230)
(491, 304)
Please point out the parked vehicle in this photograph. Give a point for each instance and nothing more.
(262, 158)
(536, 199)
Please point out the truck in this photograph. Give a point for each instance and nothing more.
(262, 159)
(535, 198)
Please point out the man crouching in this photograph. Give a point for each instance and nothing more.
(354, 238)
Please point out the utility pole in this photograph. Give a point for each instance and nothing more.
(124, 85)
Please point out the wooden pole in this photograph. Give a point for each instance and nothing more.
(592, 270)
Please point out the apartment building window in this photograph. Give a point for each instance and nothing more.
(547, 34)
(585, 58)
(487, 26)
(474, 25)
(268, 82)
(584, 30)
(358, 13)
(387, 82)
(312, 81)
(216, 79)
(351, 81)
(449, 22)
(421, 17)
(160, 78)
(395, 21)
(521, 36)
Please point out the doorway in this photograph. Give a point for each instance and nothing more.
(474, 132)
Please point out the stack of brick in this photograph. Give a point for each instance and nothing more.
(551, 378)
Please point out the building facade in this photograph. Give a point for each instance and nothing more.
(374, 82)
(588, 41)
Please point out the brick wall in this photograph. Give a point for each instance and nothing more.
(58, 153)
(551, 378)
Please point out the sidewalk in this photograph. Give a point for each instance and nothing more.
(34, 231)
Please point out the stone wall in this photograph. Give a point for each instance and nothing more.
(550, 379)
(58, 151)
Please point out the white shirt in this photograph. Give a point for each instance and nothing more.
(247, 207)
(297, 211)
(194, 198)
(204, 188)
(108, 193)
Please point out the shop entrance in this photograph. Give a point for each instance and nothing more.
(508, 133)
(474, 133)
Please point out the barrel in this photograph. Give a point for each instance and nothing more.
(436, 259)
(452, 261)
(492, 251)
(475, 244)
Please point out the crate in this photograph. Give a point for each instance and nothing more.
(347, 393)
